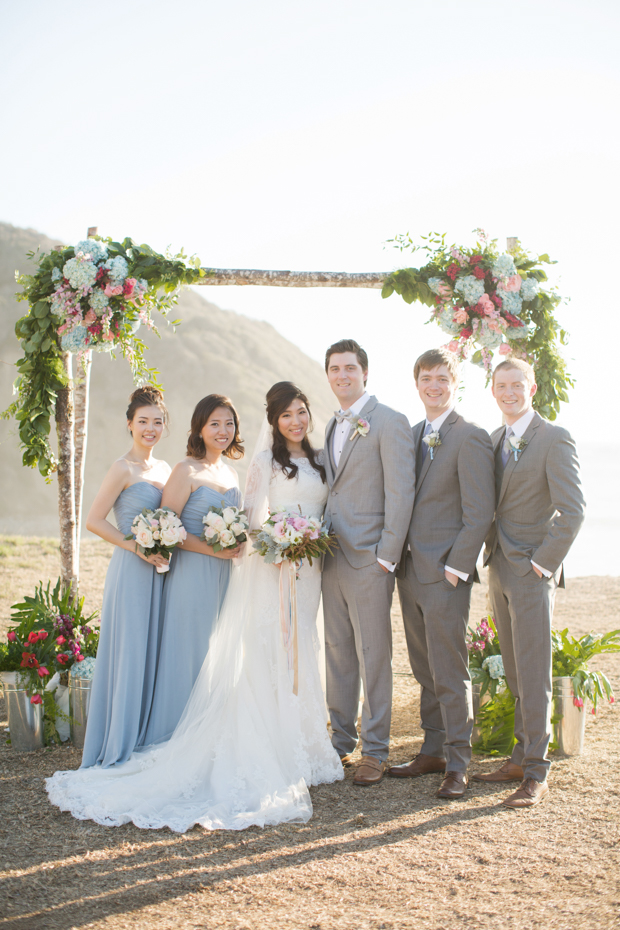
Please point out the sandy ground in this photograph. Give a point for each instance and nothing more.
(394, 856)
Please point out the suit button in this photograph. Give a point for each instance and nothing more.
(334, 493)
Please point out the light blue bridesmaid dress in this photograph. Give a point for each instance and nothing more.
(124, 678)
(193, 593)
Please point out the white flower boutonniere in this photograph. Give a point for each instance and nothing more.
(517, 444)
(433, 442)
(360, 428)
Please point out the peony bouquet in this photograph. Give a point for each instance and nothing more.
(292, 537)
(157, 531)
(225, 527)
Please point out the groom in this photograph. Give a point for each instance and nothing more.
(370, 467)
(539, 511)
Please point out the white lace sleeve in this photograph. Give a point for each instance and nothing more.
(256, 499)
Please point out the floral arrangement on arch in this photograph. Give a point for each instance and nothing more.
(94, 295)
(488, 301)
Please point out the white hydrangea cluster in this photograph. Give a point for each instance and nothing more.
(503, 267)
(529, 289)
(56, 274)
(494, 666)
(97, 250)
(434, 284)
(446, 322)
(488, 337)
(118, 269)
(98, 301)
(511, 302)
(80, 273)
(76, 340)
(471, 289)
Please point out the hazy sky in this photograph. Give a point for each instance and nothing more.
(303, 135)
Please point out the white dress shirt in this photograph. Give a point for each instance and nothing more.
(436, 424)
(340, 436)
(518, 428)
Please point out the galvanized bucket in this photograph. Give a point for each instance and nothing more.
(569, 730)
(79, 702)
(25, 719)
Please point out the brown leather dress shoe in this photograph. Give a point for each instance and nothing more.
(370, 771)
(529, 793)
(509, 771)
(454, 785)
(421, 765)
(346, 760)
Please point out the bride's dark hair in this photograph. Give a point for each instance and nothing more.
(279, 398)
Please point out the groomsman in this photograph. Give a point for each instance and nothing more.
(369, 463)
(539, 511)
(452, 513)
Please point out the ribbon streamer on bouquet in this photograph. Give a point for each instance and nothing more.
(288, 617)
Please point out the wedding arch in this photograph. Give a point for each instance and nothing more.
(94, 296)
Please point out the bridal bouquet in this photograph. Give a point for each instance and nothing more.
(157, 531)
(292, 537)
(225, 527)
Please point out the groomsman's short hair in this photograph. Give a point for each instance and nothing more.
(347, 345)
(435, 357)
(519, 364)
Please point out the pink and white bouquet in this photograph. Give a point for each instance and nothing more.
(292, 537)
(225, 527)
(157, 532)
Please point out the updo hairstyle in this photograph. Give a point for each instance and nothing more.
(200, 417)
(146, 396)
(279, 398)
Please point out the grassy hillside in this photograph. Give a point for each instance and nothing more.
(212, 351)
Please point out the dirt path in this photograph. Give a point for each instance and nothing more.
(392, 857)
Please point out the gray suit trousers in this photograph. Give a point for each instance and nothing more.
(358, 647)
(523, 608)
(435, 619)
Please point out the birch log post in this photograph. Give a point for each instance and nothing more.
(65, 423)
(81, 394)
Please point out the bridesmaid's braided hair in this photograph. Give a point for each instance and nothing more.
(146, 396)
(279, 398)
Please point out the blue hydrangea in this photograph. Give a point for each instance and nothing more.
(84, 669)
(518, 332)
(471, 288)
(57, 305)
(56, 274)
(511, 302)
(76, 340)
(446, 322)
(97, 250)
(118, 269)
(434, 284)
(98, 301)
(80, 274)
(503, 267)
(488, 337)
(529, 289)
(494, 666)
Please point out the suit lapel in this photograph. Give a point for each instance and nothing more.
(529, 435)
(443, 432)
(352, 441)
(330, 468)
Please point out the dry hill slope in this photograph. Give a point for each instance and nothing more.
(212, 351)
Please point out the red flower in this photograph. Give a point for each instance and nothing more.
(62, 658)
(452, 270)
(79, 658)
(577, 702)
(36, 699)
(612, 700)
(496, 300)
(33, 637)
(512, 320)
(29, 660)
(466, 333)
(43, 634)
(60, 640)
(11, 636)
(478, 272)
(474, 259)
(42, 671)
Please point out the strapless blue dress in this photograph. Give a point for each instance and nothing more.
(193, 594)
(122, 689)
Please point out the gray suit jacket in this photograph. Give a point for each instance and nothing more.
(454, 500)
(371, 492)
(540, 506)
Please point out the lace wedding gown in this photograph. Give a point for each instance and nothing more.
(246, 748)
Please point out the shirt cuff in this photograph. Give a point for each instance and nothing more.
(389, 565)
(462, 575)
(546, 573)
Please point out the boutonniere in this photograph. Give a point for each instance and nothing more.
(359, 428)
(433, 442)
(517, 444)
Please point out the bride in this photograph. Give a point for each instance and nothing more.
(246, 748)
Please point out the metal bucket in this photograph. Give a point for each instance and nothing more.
(25, 719)
(569, 730)
(79, 702)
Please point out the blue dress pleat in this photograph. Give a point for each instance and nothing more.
(124, 679)
(193, 594)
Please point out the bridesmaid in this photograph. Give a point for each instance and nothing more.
(198, 578)
(124, 679)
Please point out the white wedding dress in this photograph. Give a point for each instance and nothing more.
(246, 748)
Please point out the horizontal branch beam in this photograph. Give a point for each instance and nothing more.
(293, 278)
